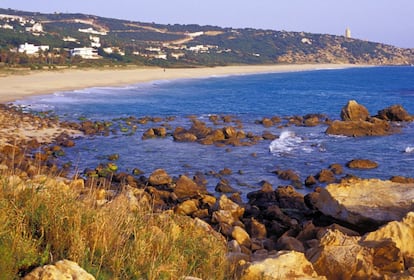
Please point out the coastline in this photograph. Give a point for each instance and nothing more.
(15, 87)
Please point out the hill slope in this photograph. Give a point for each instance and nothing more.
(184, 45)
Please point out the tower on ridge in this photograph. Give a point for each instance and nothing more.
(347, 33)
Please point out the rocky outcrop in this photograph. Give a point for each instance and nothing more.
(366, 203)
(64, 269)
(395, 113)
(356, 121)
(374, 127)
(354, 112)
(284, 265)
(386, 253)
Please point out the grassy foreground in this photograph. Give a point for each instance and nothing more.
(44, 220)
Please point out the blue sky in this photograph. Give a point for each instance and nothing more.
(385, 21)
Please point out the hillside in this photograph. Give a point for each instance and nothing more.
(104, 40)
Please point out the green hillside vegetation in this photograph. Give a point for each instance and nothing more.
(178, 45)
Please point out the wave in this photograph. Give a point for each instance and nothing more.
(409, 150)
(286, 143)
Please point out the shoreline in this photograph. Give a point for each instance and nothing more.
(17, 87)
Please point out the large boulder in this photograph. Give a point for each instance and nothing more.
(366, 203)
(374, 127)
(284, 265)
(395, 113)
(64, 269)
(399, 232)
(340, 256)
(354, 112)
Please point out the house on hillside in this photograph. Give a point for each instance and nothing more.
(31, 49)
(36, 28)
(85, 53)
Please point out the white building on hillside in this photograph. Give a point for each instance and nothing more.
(85, 53)
(36, 28)
(31, 49)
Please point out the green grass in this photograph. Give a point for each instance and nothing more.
(43, 222)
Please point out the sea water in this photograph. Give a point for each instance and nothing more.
(248, 98)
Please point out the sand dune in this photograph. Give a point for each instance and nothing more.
(14, 87)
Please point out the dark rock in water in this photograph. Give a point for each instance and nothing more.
(225, 171)
(354, 112)
(289, 175)
(311, 120)
(310, 181)
(267, 135)
(374, 127)
(336, 168)
(395, 113)
(326, 176)
(362, 164)
(224, 187)
(182, 135)
(401, 179)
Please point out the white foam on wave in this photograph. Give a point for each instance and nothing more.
(289, 143)
(286, 143)
(409, 150)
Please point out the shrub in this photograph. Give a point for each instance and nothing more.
(47, 221)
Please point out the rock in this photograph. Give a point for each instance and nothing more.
(266, 122)
(64, 269)
(341, 257)
(186, 188)
(256, 229)
(227, 212)
(365, 203)
(354, 112)
(375, 127)
(289, 175)
(289, 243)
(401, 233)
(267, 135)
(229, 132)
(362, 164)
(182, 135)
(311, 120)
(188, 207)
(285, 265)
(326, 176)
(395, 113)
(310, 181)
(241, 236)
(336, 168)
(159, 177)
(224, 187)
(402, 179)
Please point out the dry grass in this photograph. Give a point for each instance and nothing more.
(47, 221)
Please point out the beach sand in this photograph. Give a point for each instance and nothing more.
(14, 87)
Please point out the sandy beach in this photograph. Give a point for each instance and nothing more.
(14, 87)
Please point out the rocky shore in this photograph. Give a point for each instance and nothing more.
(351, 229)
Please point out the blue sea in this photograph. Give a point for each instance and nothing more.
(247, 98)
